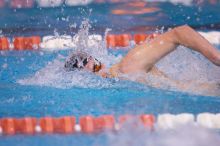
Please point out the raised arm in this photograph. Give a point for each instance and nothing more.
(186, 36)
(145, 56)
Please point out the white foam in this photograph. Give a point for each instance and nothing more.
(54, 75)
(196, 72)
(49, 3)
(182, 136)
(77, 2)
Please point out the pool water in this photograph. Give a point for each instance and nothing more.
(32, 83)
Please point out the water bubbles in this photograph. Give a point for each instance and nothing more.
(181, 136)
(191, 68)
(5, 65)
(1, 35)
(74, 25)
(41, 53)
(54, 74)
(56, 33)
(22, 59)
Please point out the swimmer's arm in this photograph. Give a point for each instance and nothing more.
(184, 86)
(156, 72)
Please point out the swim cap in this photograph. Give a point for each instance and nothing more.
(76, 61)
(79, 60)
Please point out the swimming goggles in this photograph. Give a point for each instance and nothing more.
(79, 63)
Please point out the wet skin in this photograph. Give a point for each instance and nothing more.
(142, 58)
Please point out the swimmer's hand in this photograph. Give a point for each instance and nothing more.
(102, 74)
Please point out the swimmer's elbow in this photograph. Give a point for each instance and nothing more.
(180, 32)
(184, 28)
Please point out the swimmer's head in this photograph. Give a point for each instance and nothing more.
(81, 60)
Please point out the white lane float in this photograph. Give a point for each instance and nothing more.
(63, 42)
(49, 3)
(170, 121)
(217, 121)
(93, 40)
(52, 43)
(208, 120)
(77, 2)
(213, 37)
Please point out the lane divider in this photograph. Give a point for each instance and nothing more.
(90, 125)
(4, 43)
(113, 41)
(17, 4)
(68, 42)
(68, 125)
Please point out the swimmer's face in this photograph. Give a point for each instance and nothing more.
(90, 65)
(93, 65)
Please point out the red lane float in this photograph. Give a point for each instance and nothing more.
(8, 126)
(25, 125)
(4, 43)
(139, 38)
(67, 124)
(147, 120)
(122, 40)
(32, 42)
(112, 41)
(19, 43)
(87, 124)
(105, 122)
(21, 3)
(27, 43)
(2, 3)
(64, 125)
(46, 124)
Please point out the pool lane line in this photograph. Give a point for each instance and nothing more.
(113, 41)
(91, 125)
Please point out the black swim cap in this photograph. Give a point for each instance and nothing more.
(76, 61)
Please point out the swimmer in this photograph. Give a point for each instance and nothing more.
(142, 59)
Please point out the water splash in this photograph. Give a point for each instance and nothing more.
(186, 65)
(185, 135)
(54, 75)
(193, 69)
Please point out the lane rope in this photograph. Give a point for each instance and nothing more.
(52, 43)
(112, 41)
(89, 124)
